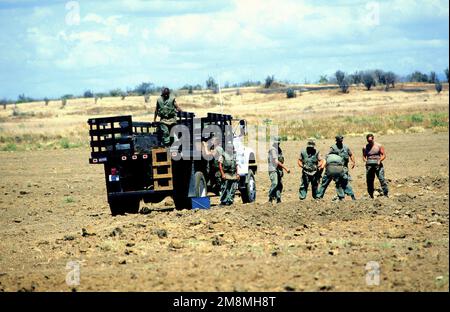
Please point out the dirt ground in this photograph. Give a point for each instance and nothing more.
(49, 197)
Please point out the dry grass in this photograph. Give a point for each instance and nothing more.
(407, 108)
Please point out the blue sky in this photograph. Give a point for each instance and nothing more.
(51, 48)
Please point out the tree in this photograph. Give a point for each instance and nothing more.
(145, 88)
(190, 90)
(88, 94)
(269, 81)
(340, 77)
(438, 86)
(432, 77)
(211, 83)
(380, 76)
(390, 78)
(356, 78)
(46, 100)
(116, 92)
(344, 86)
(368, 80)
(446, 73)
(417, 76)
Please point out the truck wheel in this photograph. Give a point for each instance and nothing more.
(248, 193)
(122, 206)
(200, 185)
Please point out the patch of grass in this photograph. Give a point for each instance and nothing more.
(381, 124)
(66, 144)
(69, 199)
(9, 147)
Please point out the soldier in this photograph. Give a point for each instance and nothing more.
(214, 173)
(373, 155)
(276, 167)
(312, 164)
(166, 109)
(334, 171)
(344, 151)
(229, 173)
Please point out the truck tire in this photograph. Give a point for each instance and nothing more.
(248, 193)
(200, 185)
(200, 190)
(122, 206)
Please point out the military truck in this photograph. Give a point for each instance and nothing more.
(138, 167)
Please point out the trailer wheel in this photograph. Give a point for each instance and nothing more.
(248, 193)
(122, 206)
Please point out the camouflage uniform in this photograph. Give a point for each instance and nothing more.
(345, 153)
(228, 186)
(310, 173)
(335, 171)
(275, 172)
(166, 110)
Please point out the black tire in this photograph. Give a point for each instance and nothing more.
(248, 193)
(122, 206)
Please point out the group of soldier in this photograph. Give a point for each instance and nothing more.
(317, 172)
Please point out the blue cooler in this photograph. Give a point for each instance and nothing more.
(200, 202)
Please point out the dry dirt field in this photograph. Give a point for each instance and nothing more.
(53, 208)
(48, 197)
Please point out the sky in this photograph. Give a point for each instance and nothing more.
(49, 48)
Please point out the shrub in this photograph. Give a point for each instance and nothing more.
(290, 93)
(438, 86)
(446, 73)
(46, 100)
(323, 79)
(63, 103)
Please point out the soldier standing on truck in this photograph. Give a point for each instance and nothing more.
(166, 109)
(373, 155)
(312, 164)
(228, 168)
(216, 151)
(347, 155)
(276, 167)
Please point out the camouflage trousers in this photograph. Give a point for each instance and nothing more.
(371, 172)
(227, 191)
(348, 190)
(305, 182)
(276, 185)
(164, 130)
(341, 185)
